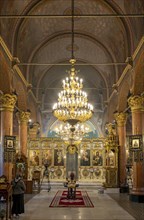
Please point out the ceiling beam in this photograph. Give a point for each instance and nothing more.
(76, 64)
(76, 16)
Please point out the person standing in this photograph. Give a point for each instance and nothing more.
(18, 187)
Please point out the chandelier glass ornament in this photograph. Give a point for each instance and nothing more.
(72, 134)
(72, 105)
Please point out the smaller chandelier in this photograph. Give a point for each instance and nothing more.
(72, 105)
(72, 134)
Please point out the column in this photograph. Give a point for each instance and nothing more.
(143, 120)
(121, 130)
(23, 118)
(136, 103)
(7, 107)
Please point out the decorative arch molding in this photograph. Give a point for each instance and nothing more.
(112, 106)
(22, 95)
(94, 121)
(90, 123)
(65, 34)
(138, 86)
(125, 23)
(34, 3)
(32, 106)
(4, 74)
(52, 120)
(123, 95)
(59, 61)
(19, 22)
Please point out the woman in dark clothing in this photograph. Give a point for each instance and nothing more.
(19, 188)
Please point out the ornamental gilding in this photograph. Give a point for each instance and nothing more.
(111, 129)
(120, 118)
(23, 117)
(136, 102)
(8, 102)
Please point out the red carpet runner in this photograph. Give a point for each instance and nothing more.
(82, 200)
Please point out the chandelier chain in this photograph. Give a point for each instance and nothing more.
(72, 28)
(72, 105)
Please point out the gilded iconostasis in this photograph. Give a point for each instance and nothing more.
(91, 159)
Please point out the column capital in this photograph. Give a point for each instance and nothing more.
(8, 102)
(120, 118)
(136, 102)
(23, 117)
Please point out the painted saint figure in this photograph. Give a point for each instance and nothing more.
(85, 158)
(97, 159)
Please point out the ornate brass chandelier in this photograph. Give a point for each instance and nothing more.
(72, 134)
(72, 105)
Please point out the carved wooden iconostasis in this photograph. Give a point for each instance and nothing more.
(95, 159)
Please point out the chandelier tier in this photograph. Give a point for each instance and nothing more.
(72, 105)
(70, 133)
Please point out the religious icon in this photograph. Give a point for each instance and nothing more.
(85, 158)
(110, 157)
(47, 157)
(34, 158)
(97, 159)
(58, 158)
(135, 143)
(9, 144)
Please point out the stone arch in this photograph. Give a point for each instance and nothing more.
(138, 86)
(4, 75)
(123, 95)
(112, 107)
(21, 94)
(32, 106)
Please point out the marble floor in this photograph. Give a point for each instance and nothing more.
(106, 206)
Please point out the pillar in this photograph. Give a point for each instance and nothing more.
(143, 119)
(23, 118)
(121, 130)
(136, 103)
(7, 107)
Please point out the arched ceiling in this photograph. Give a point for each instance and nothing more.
(39, 34)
